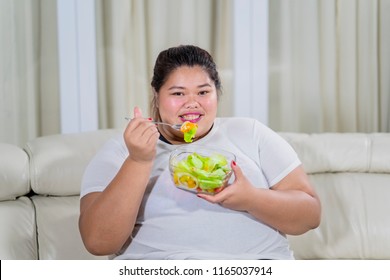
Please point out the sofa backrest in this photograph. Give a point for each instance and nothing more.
(57, 162)
(351, 174)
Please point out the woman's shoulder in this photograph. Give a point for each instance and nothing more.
(113, 146)
(240, 124)
(244, 129)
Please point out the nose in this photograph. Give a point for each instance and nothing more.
(191, 103)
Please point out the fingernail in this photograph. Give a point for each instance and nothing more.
(150, 119)
(234, 163)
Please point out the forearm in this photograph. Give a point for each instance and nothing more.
(107, 219)
(289, 211)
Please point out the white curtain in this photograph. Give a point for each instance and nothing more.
(28, 70)
(329, 61)
(132, 33)
(330, 65)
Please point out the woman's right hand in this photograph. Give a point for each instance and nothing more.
(141, 137)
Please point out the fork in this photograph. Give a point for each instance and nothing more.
(174, 126)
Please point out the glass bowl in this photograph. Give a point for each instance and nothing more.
(200, 169)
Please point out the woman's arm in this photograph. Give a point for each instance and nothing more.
(107, 218)
(291, 206)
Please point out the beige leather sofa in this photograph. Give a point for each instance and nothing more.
(39, 202)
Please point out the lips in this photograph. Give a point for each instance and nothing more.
(191, 117)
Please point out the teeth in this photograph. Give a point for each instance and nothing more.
(190, 117)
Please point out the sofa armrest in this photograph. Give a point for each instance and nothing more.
(14, 172)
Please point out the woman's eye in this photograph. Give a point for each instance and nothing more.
(177, 93)
(203, 93)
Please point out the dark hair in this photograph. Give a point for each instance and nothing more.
(183, 55)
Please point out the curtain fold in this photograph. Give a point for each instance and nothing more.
(28, 71)
(329, 64)
(384, 64)
(122, 60)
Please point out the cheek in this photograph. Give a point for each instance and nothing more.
(210, 104)
(169, 105)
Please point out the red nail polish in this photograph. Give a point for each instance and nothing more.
(234, 163)
(150, 119)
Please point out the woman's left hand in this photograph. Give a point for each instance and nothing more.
(236, 195)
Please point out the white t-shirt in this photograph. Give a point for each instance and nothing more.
(176, 224)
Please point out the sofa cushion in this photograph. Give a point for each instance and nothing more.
(18, 235)
(57, 162)
(57, 228)
(14, 172)
(354, 223)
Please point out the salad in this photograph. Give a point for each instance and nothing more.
(202, 173)
(189, 129)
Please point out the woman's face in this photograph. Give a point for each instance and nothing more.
(188, 95)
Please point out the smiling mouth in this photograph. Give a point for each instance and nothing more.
(190, 117)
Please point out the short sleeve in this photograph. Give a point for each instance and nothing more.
(277, 157)
(104, 166)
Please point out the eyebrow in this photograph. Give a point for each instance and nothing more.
(180, 87)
